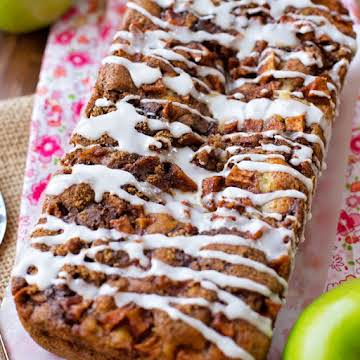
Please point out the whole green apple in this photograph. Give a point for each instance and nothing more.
(20, 16)
(329, 328)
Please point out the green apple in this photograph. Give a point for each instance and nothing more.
(20, 16)
(329, 328)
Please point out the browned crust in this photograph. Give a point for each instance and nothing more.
(74, 328)
(70, 350)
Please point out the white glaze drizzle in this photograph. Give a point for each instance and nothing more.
(120, 125)
(140, 72)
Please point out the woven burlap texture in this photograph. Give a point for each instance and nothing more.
(15, 117)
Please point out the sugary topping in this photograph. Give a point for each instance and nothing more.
(197, 164)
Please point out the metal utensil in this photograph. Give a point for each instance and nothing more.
(3, 353)
(3, 218)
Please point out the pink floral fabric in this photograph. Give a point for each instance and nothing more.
(75, 47)
(345, 261)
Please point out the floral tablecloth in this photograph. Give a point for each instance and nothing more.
(345, 260)
(75, 46)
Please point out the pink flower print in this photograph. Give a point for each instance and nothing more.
(353, 201)
(355, 186)
(347, 223)
(105, 31)
(120, 9)
(337, 263)
(53, 112)
(59, 72)
(356, 219)
(82, 39)
(47, 146)
(352, 239)
(41, 90)
(70, 13)
(24, 220)
(56, 94)
(78, 59)
(93, 6)
(37, 190)
(353, 159)
(65, 37)
(77, 107)
(355, 144)
(86, 81)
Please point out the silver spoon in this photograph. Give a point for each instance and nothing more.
(3, 221)
(3, 218)
(3, 353)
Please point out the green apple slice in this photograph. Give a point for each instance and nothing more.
(329, 328)
(19, 16)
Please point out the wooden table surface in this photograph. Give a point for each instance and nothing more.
(20, 62)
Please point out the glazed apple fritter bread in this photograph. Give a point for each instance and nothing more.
(170, 229)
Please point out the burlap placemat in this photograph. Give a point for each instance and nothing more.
(15, 117)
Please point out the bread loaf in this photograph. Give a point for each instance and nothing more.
(170, 229)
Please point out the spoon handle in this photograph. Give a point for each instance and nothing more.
(3, 218)
(3, 353)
